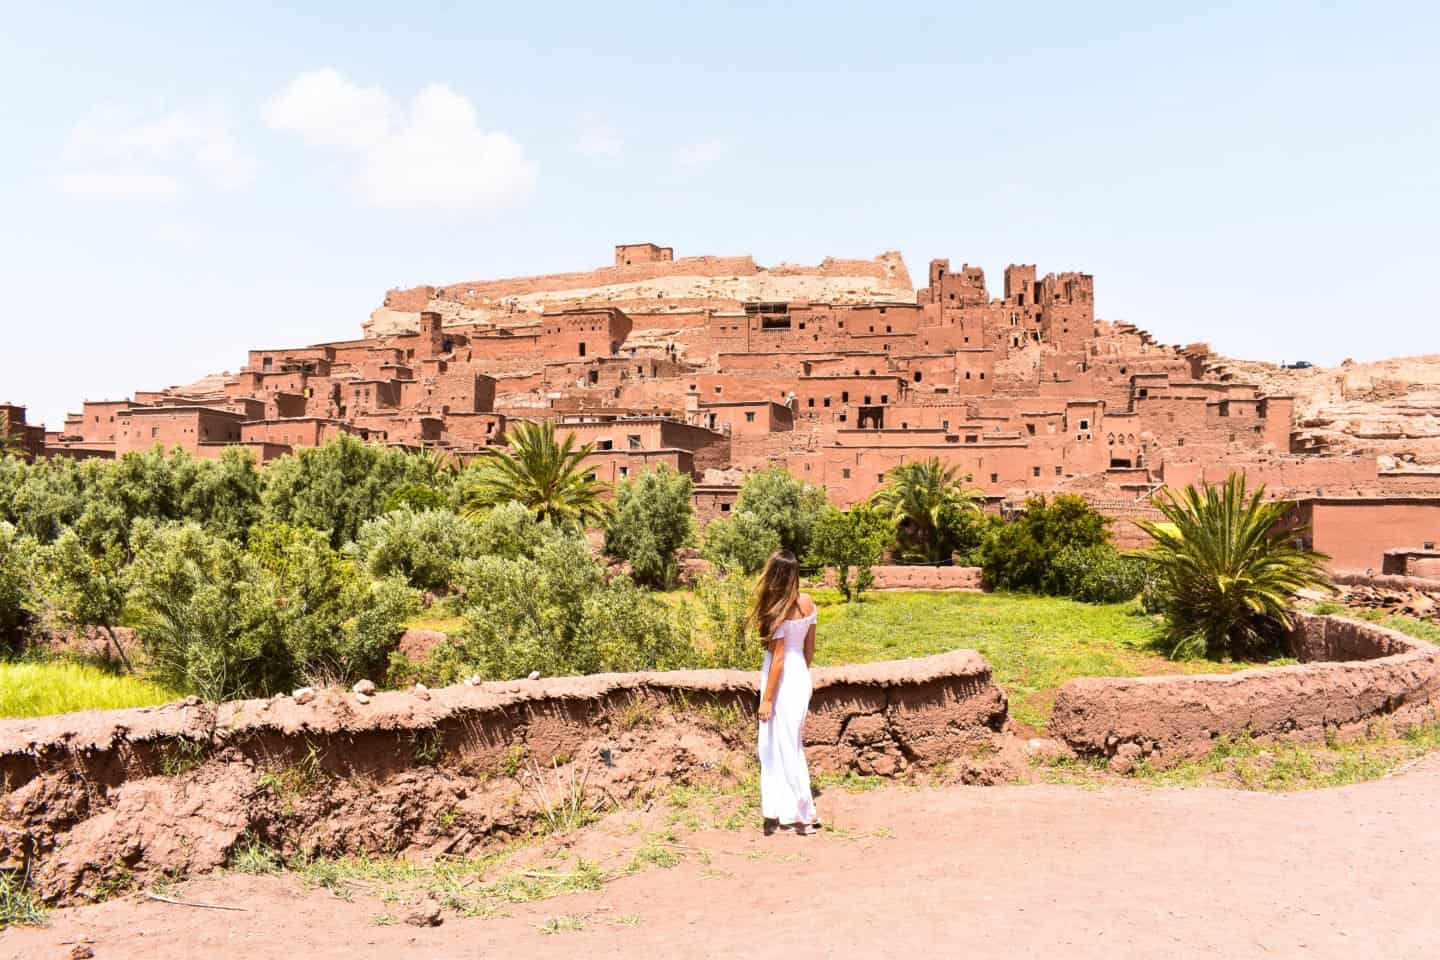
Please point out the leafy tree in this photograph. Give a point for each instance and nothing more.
(337, 486)
(16, 600)
(422, 547)
(846, 539)
(414, 496)
(83, 585)
(1228, 570)
(929, 505)
(740, 543)
(221, 495)
(783, 504)
(544, 475)
(49, 496)
(1020, 555)
(649, 522)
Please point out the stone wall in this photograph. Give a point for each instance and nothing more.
(1353, 677)
(912, 577)
(95, 797)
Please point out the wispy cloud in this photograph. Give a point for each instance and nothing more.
(112, 155)
(428, 155)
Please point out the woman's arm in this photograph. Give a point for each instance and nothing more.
(810, 647)
(772, 684)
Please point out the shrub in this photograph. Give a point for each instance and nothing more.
(1020, 555)
(511, 531)
(554, 612)
(199, 607)
(1227, 569)
(649, 522)
(416, 497)
(424, 548)
(16, 600)
(783, 504)
(740, 543)
(222, 621)
(337, 486)
(725, 638)
(1099, 574)
(851, 538)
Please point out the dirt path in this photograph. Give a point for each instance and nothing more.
(927, 872)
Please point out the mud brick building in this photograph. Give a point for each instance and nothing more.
(838, 372)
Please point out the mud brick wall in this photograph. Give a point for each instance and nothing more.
(907, 577)
(92, 796)
(1354, 676)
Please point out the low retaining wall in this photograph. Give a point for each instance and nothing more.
(93, 798)
(1387, 581)
(1353, 675)
(908, 577)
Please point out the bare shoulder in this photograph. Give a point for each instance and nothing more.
(807, 606)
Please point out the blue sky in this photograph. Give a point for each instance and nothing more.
(181, 184)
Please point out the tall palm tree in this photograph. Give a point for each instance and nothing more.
(542, 474)
(1228, 569)
(924, 499)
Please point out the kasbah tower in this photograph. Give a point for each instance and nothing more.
(838, 373)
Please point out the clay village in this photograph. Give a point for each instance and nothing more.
(448, 630)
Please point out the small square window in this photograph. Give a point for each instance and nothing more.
(750, 416)
(994, 478)
(845, 473)
(1035, 471)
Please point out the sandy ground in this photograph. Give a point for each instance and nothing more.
(1039, 871)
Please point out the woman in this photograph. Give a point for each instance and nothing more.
(786, 620)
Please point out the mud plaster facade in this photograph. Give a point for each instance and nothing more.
(838, 372)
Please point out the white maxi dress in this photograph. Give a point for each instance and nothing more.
(784, 775)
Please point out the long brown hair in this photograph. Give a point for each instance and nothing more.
(775, 593)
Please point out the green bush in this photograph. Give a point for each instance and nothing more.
(649, 523)
(16, 599)
(724, 635)
(740, 543)
(553, 611)
(424, 548)
(854, 538)
(337, 486)
(511, 531)
(1020, 554)
(221, 621)
(415, 496)
(783, 504)
(1099, 574)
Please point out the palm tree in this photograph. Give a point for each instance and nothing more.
(1227, 570)
(545, 476)
(925, 499)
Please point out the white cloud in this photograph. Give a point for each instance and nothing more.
(328, 110)
(599, 139)
(96, 184)
(112, 155)
(429, 155)
(700, 156)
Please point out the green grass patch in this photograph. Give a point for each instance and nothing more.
(37, 688)
(1402, 623)
(1242, 763)
(1034, 644)
(18, 903)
